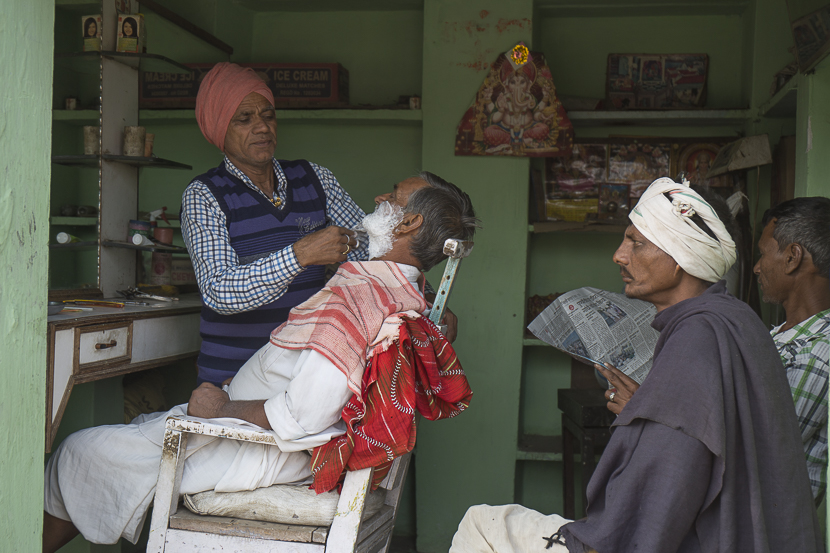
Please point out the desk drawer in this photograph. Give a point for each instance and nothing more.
(105, 344)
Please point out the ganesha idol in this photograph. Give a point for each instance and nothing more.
(516, 113)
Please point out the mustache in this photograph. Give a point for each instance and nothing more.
(625, 273)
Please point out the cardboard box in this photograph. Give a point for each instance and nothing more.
(91, 32)
(295, 85)
(131, 37)
(181, 272)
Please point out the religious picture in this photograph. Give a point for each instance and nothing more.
(811, 34)
(663, 81)
(638, 165)
(516, 112)
(576, 176)
(613, 202)
(694, 161)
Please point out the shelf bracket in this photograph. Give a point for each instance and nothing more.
(187, 25)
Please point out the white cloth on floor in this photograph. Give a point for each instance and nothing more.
(506, 529)
(103, 478)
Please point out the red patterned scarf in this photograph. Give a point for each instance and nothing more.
(342, 319)
(418, 371)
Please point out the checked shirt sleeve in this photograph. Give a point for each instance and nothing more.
(805, 358)
(227, 286)
(341, 209)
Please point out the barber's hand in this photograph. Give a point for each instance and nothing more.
(326, 246)
(207, 401)
(623, 387)
(227, 382)
(451, 321)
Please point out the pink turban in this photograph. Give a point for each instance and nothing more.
(222, 90)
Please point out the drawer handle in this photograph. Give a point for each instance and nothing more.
(112, 344)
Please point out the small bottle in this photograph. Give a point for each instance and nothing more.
(66, 238)
(141, 240)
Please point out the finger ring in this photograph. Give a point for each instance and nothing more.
(612, 396)
(348, 249)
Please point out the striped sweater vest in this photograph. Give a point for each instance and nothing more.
(257, 228)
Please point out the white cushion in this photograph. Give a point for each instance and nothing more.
(285, 504)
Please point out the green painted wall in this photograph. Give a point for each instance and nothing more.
(577, 50)
(471, 459)
(25, 124)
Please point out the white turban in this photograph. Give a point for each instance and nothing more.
(668, 225)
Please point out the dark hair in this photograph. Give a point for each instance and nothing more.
(87, 24)
(133, 24)
(447, 212)
(721, 209)
(806, 222)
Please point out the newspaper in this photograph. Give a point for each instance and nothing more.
(595, 326)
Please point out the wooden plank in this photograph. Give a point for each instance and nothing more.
(343, 533)
(166, 501)
(183, 541)
(377, 541)
(381, 518)
(253, 529)
(320, 535)
(195, 425)
(187, 26)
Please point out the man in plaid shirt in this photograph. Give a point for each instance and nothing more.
(794, 271)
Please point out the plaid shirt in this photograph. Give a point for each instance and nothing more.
(228, 286)
(804, 351)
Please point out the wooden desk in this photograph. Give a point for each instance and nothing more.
(93, 345)
(585, 418)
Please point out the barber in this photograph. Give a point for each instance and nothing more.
(259, 231)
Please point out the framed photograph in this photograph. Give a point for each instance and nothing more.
(578, 175)
(694, 160)
(664, 81)
(613, 202)
(638, 164)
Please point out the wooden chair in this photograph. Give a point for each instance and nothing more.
(172, 530)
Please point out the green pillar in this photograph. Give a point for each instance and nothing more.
(26, 48)
(471, 459)
(812, 170)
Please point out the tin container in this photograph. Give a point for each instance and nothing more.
(138, 227)
(92, 140)
(162, 268)
(134, 141)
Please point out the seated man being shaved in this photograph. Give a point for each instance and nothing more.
(100, 481)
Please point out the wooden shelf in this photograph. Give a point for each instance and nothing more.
(572, 226)
(74, 245)
(535, 447)
(89, 62)
(368, 115)
(783, 103)
(74, 221)
(78, 117)
(628, 8)
(661, 118)
(161, 248)
(331, 5)
(92, 160)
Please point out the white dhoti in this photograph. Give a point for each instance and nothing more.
(506, 529)
(103, 479)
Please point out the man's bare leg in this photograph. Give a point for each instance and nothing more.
(56, 532)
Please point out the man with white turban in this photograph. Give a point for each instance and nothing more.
(706, 456)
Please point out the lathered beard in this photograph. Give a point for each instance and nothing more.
(380, 227)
